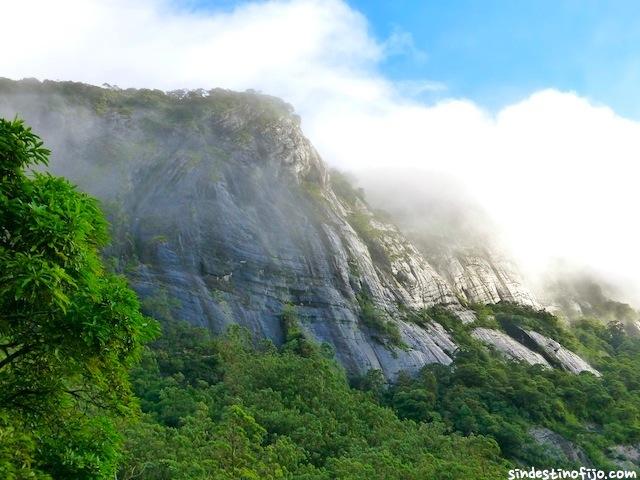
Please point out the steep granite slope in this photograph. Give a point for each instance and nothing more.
(224, 213)
(569, 360)
(449, 229)
(481, 277)
(538, 347)
(508, 346)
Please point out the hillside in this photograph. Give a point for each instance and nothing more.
(223, 215)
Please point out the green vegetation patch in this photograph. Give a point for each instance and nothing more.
(484, 393)
(226, 408)
(344, 189)
(386, 330)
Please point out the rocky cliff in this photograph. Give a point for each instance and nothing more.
(449, 229)
(479, 276)
(223, 213)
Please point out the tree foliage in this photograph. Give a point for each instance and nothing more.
(484, 393)
(69, 331)
(233, 409)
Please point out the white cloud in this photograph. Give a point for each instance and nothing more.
(315, 45)
(558, 173)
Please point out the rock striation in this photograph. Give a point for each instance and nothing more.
(480, 277)
(533, 348)
(568, 359)
(508, 346)
(561, 448)
(225, 213)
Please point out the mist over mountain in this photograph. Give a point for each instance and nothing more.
(223, 214)
(153, 157)
(442, 218)
(581, 293)
(432, 205)
(319, 240)
(565, 159)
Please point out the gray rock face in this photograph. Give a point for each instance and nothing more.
(508, 346)
(569, 360)
(548, 350)
(485, 278)
(429, 344)
(269, 231)
(626, 457)
(560, 447)
(224, 213)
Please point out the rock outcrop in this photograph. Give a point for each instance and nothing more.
(269, 231)
(480, 277)
(225, 214)
(626, 457)
(533, 348)
(506, 345)
(568, 359)
(559, 447)
(456, 237)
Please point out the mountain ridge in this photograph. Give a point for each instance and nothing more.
(223, 213)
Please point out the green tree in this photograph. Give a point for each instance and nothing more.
(272, 413)
(69, 330)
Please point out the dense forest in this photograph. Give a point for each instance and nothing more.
(92, 388)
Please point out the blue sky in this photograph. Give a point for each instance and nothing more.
(495, 52)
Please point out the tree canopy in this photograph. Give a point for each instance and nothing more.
(69, 330)
(227, 408)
